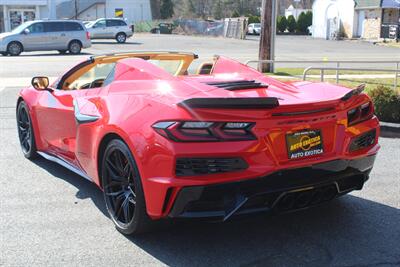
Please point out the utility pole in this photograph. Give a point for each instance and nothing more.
(267, 36)
(76, 9)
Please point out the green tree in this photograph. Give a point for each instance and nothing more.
(309, 16)
(167, 9)
(253, 19)
(291, 21)
(302, 25)
(235, 14)
(218, 10)
(282, 24)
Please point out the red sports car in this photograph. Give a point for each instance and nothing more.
(222, 142)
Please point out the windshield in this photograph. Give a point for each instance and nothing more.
(257, 25)
(89, 23)
(21, 27)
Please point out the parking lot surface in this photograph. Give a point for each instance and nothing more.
(51, 217)
(51, 63)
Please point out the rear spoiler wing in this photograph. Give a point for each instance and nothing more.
(356, 91)
(231, 103)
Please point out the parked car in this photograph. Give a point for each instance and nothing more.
(43, 35)
(116, 29)
(222, 142)
(254, 28)
(163, 28)
(87, 22)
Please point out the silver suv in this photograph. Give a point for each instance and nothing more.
(39, 35)
(109, 29)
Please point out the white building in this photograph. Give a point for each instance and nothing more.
(15, 12)
(369, 19)
(131, 10)
(295, 12)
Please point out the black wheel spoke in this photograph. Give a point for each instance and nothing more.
(113, 172)
(125, 207)
(117, 193)
(118, 162)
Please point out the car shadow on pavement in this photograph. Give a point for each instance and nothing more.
(86, 189)
(349, 231)
(56, 54)
(114, 42)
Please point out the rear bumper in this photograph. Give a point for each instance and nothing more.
(86, 44)
(281, 191)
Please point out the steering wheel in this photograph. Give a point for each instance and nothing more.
(96, 83)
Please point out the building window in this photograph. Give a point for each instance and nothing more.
(391, 16)
(2, 29)
(18, 16)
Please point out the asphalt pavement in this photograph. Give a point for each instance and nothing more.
(51, 63)
(51, 217)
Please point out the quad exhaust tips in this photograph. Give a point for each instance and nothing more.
(301, 199)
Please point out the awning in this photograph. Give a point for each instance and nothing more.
(391, 4)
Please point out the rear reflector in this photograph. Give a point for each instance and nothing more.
(363, 141)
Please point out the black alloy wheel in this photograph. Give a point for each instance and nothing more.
(25, 131)
(122, 188)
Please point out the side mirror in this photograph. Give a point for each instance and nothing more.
(26, 31)
(94, 26)
(40, 83)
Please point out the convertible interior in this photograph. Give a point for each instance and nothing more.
(93, 73)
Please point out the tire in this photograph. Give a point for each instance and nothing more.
(14, 48)
(120, 37)
(122, 190)
(25, 131)
(62, 52)
(75, 47)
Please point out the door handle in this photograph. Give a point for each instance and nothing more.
(63, 34)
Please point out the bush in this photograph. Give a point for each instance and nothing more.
(291, 24)
(253, 19)
(282, 24)
(309, 16)
(387, 103)
(167, 9)
(235, 14)
(302, 25)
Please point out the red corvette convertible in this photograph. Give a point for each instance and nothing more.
(223, 142)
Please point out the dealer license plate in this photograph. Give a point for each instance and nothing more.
(304, 144)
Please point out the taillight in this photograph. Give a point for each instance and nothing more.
(202, 131)
(87, 35)
(360, 113)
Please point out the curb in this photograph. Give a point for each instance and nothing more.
(390, 130)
